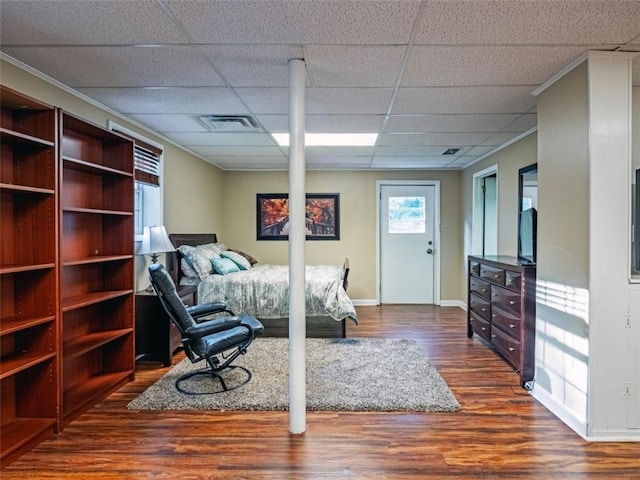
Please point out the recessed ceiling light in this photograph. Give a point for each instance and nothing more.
(331, 139)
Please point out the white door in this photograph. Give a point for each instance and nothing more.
(407, 243)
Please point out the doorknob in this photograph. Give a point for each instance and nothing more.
(430, 251)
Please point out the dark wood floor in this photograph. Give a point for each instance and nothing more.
(501, 432)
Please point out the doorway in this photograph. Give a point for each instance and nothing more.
(408, 242)
(484, 230)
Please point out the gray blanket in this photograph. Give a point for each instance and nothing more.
(263, 292)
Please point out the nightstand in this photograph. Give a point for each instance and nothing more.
(157, 338)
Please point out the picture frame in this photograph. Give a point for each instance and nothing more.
(322, 216)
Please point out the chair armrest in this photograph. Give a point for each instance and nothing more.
(204, 309)
(212, 326)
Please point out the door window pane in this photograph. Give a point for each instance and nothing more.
(407, 215)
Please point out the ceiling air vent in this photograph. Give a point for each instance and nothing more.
(228, 123)
(451, 151)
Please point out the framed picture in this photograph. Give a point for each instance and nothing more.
(322, 216)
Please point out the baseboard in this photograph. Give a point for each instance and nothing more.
(560, 411)
(454, 303)
(364, 302)
(372, 302)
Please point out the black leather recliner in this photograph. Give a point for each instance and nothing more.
(219, 341)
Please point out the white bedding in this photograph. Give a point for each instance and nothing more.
(263, 291)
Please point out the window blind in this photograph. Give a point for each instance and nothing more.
(146, 163)
(146, 160)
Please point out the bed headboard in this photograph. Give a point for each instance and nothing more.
(178, 239)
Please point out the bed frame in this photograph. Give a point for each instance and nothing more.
(319, 327)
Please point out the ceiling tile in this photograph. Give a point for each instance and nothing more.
(297, 21)
(221, 139)
(469, 100)
(319, 100)
(469, 68)
(500, 138)
(107, 22)
(251, 163)
(448, 123)
(485, 65)
(414, 150)
(531, 22)
(237, 151)
(523, 122)
(169, 123)
(480, 150)
(320, 162)
(121, 66)
(219, 100)
(341, 151)
(409, 162)
(253, 65)
(354, 66)
(447, 139)
(326, 123)
(462, 162)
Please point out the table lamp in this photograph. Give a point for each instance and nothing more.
(155, 241)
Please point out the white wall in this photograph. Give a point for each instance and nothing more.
(583, 347)
(562, 348)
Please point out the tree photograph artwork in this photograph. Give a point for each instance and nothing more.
(322, 216)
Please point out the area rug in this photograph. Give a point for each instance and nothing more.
(355, 374)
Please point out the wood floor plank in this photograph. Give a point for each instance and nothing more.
(500, 432)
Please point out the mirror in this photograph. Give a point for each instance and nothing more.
(527, 213)
(528, 187)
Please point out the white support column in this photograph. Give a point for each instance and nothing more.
(297, 235)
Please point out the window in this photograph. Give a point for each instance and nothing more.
(407, 215)
(147, 175)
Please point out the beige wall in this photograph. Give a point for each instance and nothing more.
(192, 187)
(563, 178)
(357, 222)
(508, 160)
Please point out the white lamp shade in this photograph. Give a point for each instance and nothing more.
(155, 240)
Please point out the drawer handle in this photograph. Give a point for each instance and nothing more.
(482, 328)
(511, 349)
(493, 336)
(511, 325)
(511, 302)
(484, 290)
(483, 309)
(494, 315)
(497, 275)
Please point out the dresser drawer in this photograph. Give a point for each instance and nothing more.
(508, 346)
(513, 280)
(508, 322)
(480, 287)
(506, 299)
(496, 275)
(474, 268)
(480, 306)
(480, 326)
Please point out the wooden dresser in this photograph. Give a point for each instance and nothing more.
(502, 308)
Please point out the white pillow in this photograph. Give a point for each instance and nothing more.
(239, 260)
(199, 258)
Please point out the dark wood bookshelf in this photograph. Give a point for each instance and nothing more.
(29, 341)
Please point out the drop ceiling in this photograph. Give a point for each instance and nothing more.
(426, 76)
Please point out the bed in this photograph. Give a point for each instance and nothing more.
(261, 290)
